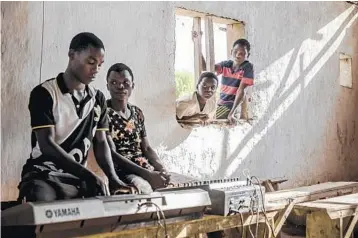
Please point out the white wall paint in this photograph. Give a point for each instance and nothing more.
(306, 122)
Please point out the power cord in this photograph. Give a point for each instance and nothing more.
(246, 173)
(252, 214)
(263, 205)
(237, 211)
(159, 212)
(257, 217)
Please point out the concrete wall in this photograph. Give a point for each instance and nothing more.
(305, 127)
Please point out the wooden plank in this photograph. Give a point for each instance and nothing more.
(263, 230)
(209, 44)
(329, 207)
(188, 13)
(282, 218)
(346, 199)
(234, 32)
(207, 224)
(271, 184)
(275, 206)
(198, 236)
(216, 121)
(218, 19)
(219, 122)
(268, 186)
(197, 48)
(222, 20)
(352, 224)
(331, 204)
(342, 213)
(319, 225)
(330, 217)
(313, 192)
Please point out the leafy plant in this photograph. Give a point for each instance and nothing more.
(185, 83)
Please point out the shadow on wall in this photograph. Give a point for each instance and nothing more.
(287, 146)
(296, 92)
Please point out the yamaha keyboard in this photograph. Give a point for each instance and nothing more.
(67, 218)
(179, 202)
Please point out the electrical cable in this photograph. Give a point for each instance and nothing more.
(252, 214)
(234, 211)
(246, 173)
(159, 212)
(263, 205)
(257, 218)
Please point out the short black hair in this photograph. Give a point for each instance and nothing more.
(84, 40)
(242, 42)
(119, 67)
(207, 75)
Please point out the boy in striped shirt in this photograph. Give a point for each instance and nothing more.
(237, 74)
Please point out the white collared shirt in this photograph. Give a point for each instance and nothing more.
(188, 105)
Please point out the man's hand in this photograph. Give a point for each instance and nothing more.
(156, 179)
(119, 187)
(166, 176)
(198, 116)
(231, 119)
(204, 122)
(96, 186)
(104, 187)
(125, 190)
(203, 117)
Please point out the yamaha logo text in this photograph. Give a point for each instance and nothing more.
(62, 212)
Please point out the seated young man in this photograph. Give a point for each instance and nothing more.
(67, 114)
(201, 104)
(237, 74)
(134, 159)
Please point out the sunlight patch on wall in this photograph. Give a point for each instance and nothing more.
(326, 32)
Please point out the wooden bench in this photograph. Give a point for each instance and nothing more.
(332, 217)
(291, 197)
(271, 185)
(313, 192)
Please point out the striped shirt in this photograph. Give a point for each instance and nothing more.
(231, 80)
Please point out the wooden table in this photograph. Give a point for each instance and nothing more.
(332, 217)
(196, 228)
(313, 192)
(279, 206)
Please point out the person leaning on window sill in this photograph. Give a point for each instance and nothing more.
(199, 106)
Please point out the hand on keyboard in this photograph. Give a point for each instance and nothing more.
(166, 176)
(125, 190)
(119, 187)
(156, 179)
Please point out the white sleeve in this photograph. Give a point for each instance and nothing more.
(182, 109)
(184, 106)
